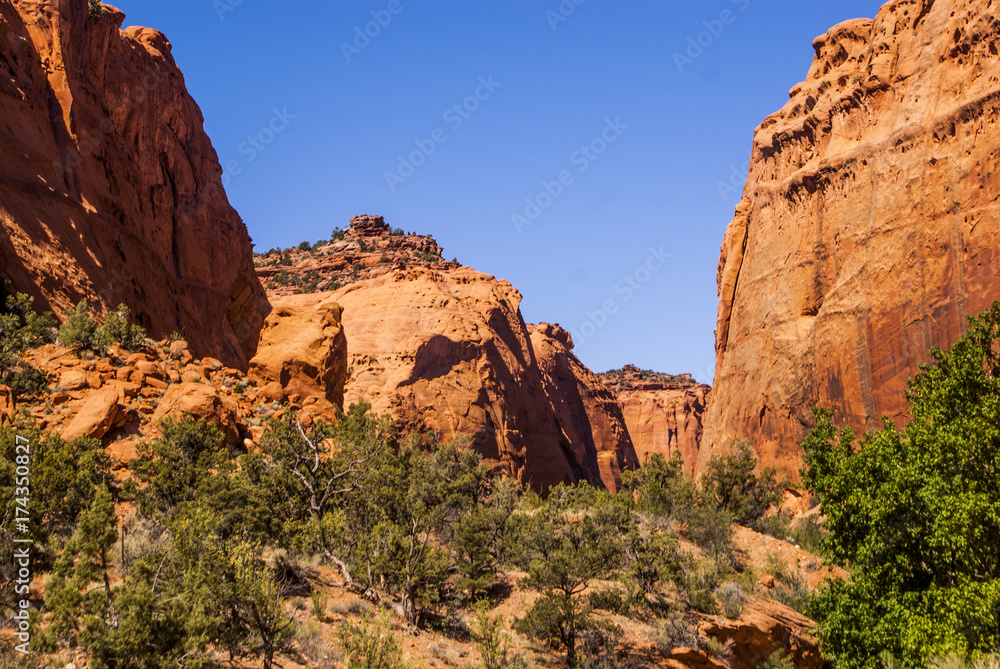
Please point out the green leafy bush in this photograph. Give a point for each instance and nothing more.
(21, 328)
(370, 644)
(662, 488)
(117, 328)
(95, 10)
(711, 528)
(80, 330)
(730, 480)
(915, 514)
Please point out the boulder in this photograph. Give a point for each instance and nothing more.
(765, 626)
(303, 348)
(201, 401)
(73, 379)
(99, 413)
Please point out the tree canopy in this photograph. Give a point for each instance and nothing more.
(914, 513)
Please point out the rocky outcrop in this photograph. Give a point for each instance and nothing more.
(302, 348)
(869, 228)
(366, 249)
(765, 627)
(444, 350)
(586, 410)
(666, 420)
(110, 190)
(96, 416)
(447, 353)
(201, 401)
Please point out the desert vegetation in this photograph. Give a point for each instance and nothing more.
(914, 513)
(199, 555)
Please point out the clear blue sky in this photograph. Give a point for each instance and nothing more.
(661, 134)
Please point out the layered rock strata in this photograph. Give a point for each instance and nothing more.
(869, 228)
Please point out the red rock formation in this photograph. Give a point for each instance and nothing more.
(764, 627)
(447, 352)
(443, 349)
(110, 189)
(869, 227)
(366, 249)
(666, 420)
(303, 349)
(587, 411)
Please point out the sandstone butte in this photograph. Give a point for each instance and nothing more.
(869, 227)
(447, 352)
(110, 190)
(444, 350)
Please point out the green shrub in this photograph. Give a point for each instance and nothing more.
(808, 533)
(663, 489)
(732, 598)
(21, 328)
(492, 641)
(732, 483)
(26, 380)
(80, 330)
(779, 659)
(95, 10)
(711, 528)
(117, 328)
(778, 526)
(792, 591)
(370, 644)
(915, 513)
(678, 630)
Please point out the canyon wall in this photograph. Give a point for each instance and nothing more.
(446, 352)
(110, 190)
(587, 411)
(869, 227)
(666, 420)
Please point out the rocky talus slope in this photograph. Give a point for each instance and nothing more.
(869, 228)
(110, 189)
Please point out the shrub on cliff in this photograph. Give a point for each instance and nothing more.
(915, 515)
(117, 328)
(22, 328)
(81, 331)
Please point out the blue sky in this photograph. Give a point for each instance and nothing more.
(584, 152)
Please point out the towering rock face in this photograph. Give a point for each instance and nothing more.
(110, 189)
(587, 411)
(666, 420)
(869, 227)
(447, 352)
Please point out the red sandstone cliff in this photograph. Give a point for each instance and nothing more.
(666, 421)
(588, 412)
(110, 189)
(444, 350)
(869, 227)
